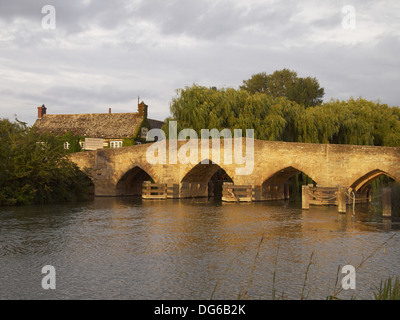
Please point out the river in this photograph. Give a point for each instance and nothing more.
(126, 248)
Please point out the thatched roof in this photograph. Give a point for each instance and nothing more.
(97, 125)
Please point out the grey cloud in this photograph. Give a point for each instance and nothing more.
(73, 16)
(99, 94)
(229, 41)
(212, 19)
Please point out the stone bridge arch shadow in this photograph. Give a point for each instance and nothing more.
(362, 187)
(131, 182)
(204, 180)
(284, 184)
(87, 189)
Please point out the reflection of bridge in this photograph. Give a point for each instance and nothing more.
(116, 172)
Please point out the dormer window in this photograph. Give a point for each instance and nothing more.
(66, 145)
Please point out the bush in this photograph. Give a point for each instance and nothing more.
(34, 168)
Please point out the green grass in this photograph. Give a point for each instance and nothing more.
(389, 289)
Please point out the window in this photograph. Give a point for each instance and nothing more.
(116, 144)
(66, 145)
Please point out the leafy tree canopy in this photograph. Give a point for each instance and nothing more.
(286, 83)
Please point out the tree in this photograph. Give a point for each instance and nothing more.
(257, 83)
(34, 168)
(286, 83)
(200, 107)
(355, 121)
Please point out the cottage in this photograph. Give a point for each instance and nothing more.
(98, 130)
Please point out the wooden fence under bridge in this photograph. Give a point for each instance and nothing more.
(159, 191)
(341, 197)
(311, 195)
(238, 193)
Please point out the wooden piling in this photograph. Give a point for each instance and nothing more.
(342, 206)
(286, 191)
(387, 202)
(305, 196)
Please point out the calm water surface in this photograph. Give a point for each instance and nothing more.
(126, 248)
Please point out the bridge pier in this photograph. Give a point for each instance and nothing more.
(305, 197)
(193, 190)
(275, 191)
(257, 193)
(341, 200)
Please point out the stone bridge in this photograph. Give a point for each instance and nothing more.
(119, 172)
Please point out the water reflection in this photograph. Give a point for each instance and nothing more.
(127, 248)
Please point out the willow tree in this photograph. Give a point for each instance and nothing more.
(363, 122)
(355, 121)
(200, 108)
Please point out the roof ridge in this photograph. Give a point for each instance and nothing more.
(85, 114)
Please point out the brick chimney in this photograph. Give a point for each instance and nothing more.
(142, 108)
(41, 111)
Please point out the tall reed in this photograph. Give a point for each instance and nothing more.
(389, 289)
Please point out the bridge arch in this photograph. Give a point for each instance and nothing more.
(202, 172)
(130, 184)
(276, 187)
(205, 180)
(362, 183)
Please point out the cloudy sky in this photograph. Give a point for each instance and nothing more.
(104, 54)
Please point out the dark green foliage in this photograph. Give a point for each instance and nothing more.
(35, 169)
(138, 136)
(257, 83)
(356, 121)
(286, 83)
(73, 141)
(128, 142)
